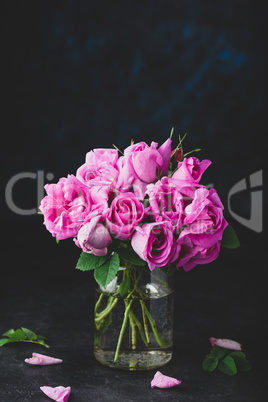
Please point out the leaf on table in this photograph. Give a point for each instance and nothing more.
(39, 337)
(29, 334)
(9, 332)
(217, 352)
(227, 366)
(22, 335)
(18, 335)
(209, 364)
(4, 341)
(241, 362)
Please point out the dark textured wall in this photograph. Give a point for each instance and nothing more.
(84, 74)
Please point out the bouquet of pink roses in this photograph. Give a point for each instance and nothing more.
(150, 198)
(143, 208)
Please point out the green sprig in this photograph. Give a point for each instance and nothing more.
(22, 335)
(227, 361)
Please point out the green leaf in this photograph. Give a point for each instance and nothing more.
(4, 341)
(209, 364)
(217, 352)
(40, 337)
(29, 334)
(129, 255)
(124, 286)
(229, 238)
(227, 366)
(106, 272)
(22, 335)
(241, 362)
(9, 333)
(18, 335)
(88, 262)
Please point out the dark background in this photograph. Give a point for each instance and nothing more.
(78, 75)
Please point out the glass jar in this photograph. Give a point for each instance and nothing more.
(134, 319)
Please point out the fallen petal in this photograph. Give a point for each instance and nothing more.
(163, 381)
(59, 394)
(42, 360)
(225, 343)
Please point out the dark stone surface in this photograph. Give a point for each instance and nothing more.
(42, 291)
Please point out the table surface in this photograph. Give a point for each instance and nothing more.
(42, 291)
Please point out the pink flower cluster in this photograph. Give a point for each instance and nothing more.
(168, 218)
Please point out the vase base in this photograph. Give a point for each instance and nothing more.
(134, 360)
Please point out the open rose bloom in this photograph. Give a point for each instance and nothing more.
(167, 218)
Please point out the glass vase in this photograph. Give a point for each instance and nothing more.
(134, 319)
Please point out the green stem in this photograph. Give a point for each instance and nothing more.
(98, 303)
(111, 304)
(133, 332)
(31, 341)
(139, 326)
(127, 308)
(155, 330)
(142, 302)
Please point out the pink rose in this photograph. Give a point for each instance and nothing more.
(65, 207)
(203, 228)
(93, 237)
(144, 164)
(191, 169)
(154, 243)
(126, 211)
(98, 155)
(100, 168)
(204, 221)
(166, 202)
(124, 180)
(192, 254)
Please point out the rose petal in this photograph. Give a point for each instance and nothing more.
(42, 360)
(163, 381)
(59, 394)
(225, 343)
